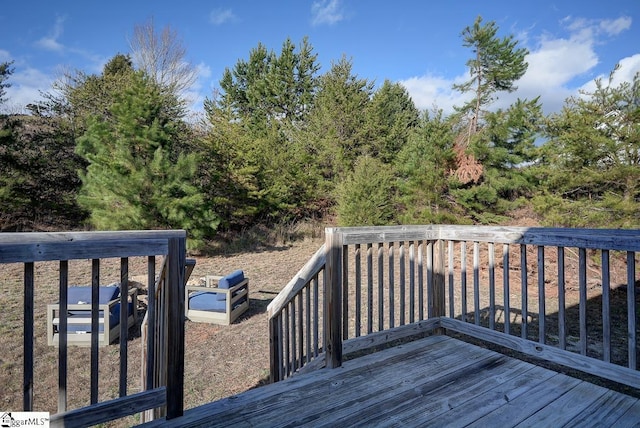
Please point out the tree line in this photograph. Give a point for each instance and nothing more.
(281, 141)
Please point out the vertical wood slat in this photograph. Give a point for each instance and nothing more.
(124, 314)
(412, 283)
(421, 280)
(28, 338)
(582, 283)
(476, 282)
(95, 301)
(430, 279)
(402, 284)
(439, 308)
(358, 273)
(492, 286)
(316, 319)
(151, 322)
(333, 290)
(562, 319)
(463, 280)
(606, 307)
(369, 288)
(506, 273)
(631, 310)
(542, 313)
(286, 347)
(345, 293)
(380, 286)
(175, 329)
(62, 337)
(524, 294)
(293, 343)
(274, 348)
(308, 321)
(392, 302)
(300, 332)
(451, 279)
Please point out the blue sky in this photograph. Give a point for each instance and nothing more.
(414, 42)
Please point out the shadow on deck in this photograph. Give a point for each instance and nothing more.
(434, 381)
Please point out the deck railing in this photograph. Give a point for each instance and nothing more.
(29, 249)
(568, 296)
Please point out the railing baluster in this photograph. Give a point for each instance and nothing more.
(62, 337)
(430, 279)
(286, 337)
(392, 302)
(151, 322)
(542, 313)
(582, 281)
(476, 282)
(403, 297)
(358, 298)
(450, 267)
(412, 283)
(524, 321)
(506, 273)
(124, 325)
(463, 279)
(420, 280)
(345, 293)
(300, 332)
(380, 286)
(294, 351)
(28, 338)
(631, 309)
(308, 321)
(492, 287)
(562, 320)
(369, 288)
(606, 307)
(95, 301)
(316, 319)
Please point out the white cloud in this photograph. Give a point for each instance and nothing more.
(629, 67)
(26, 85)
(326, 12)
(50, 42)
(556, 66)
(221, 16)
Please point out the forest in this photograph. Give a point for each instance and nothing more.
(281, 142)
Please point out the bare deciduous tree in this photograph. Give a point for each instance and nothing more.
(162, 56)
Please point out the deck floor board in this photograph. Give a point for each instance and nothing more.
(435, 381)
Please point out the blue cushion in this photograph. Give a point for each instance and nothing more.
(207, 301)
(228, 281)
(82, 295)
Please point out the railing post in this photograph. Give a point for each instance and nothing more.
(176, 261)
(333, 298)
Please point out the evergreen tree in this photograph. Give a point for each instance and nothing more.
(365, 197)
(590, 165)
(391, 117)
(134, 179)
(423, 167)
(5, 71)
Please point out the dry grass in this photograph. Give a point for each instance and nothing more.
(219, 360)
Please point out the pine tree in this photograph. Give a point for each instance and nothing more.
(134, 179)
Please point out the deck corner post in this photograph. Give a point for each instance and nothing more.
(333, 298)
(175, 334)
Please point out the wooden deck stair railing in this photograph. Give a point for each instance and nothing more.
(373, 285)
(32, 248)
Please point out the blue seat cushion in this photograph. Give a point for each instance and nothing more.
(228, 281)
(82, 295)
(207, 301)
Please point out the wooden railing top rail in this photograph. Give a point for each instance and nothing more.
(309, 270)
(606, 239)
(37, 247)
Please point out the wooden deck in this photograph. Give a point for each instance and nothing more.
(436, 381)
